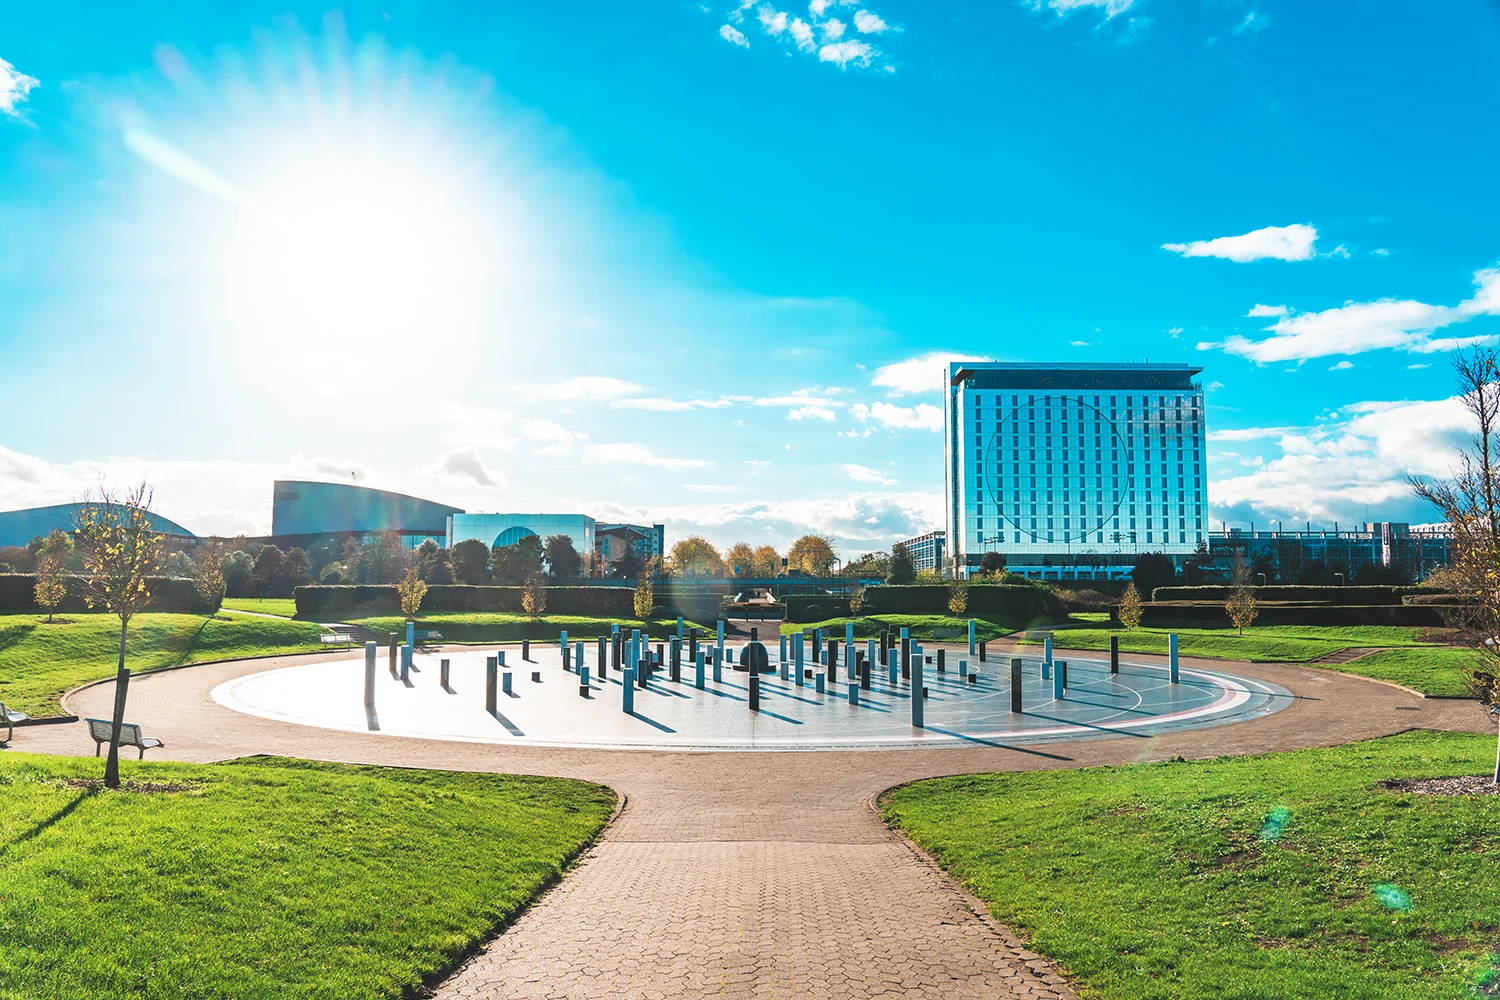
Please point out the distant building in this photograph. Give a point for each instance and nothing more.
(612, 541)
(1071, 470)
(303, 513)
(608, 542)
(926, 550)
(18, 527)
(1409, 552)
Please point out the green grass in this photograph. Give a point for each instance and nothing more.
(285, 607)
(921, 626)
(1169, 880)
(1267, 643)
(267, 878)
(1433, 670)
(39, 662)
(483, 626)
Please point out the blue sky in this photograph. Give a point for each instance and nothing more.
(700, 263)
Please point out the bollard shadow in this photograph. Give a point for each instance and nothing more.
(1088, 725)
(996, 744)
(407, 682)
(724, 694)
(651, 722)
(510, 727)
(449, 688)
(781, 718)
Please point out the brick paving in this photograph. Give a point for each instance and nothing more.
(752, 875)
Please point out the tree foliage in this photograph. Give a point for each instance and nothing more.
(411, 590)
(563, 560)
(1241, 604)
(903, 567)
(51, 570)
(958, 597)
(1130, 608)
(210, 583)
(534, 595)
(812, 554)
(740, 560)
(516, 563)
(767, 562)
(991, 563)
(856, 601)
(645, 597)
(471, 562)
(696, 556)
(1152, 570)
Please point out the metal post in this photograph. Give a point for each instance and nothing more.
(1114, 654)
(564, 641)
(864, 674)
(848, 636)
(905, 655)
(491, 670)
(719, 645)
(718, 667)
(525, 650)
(817, 646)
(854, 690)
(821, 682)
(393, 654)
(983, 649)
(679, 629)
(627, 698)
(578, 654)
(1172, 655)
(1015, 685)
(1057, 681)
(370, 650)
(698, 680)
(443, 673)
(783, 655)
(971, 637)
(567, 659)
(917, 693)
(754, 691)
(642, 671)
(895, 664)
(1047, 651)
(832, 663)
(942, 663)
(505, 682)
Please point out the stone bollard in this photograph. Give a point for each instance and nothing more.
(783, 654)
(567, 659)
(1047, 651)
(1057, 680)
(754, 692)
(817, 645)
(583, 681)
(963, 669)
(491, 672)
(895, 664)
(563, 642)
(942, 661)
(854, 693)
(982, 650)
(679, 629)
(371, 649)
(864, 675)
(578, 654)
(719, 643)
(627, 698)
(905, 655)
(505, 683)
(525, 650)
(821, 682)
(833, 661)
(1015, 685)
(599, 655)
(676, 670)
(1172, 656)
(698, 678)
(718, 667)
(971, 637)
(393, 654)
(443, 673)
(536, 676)
(642, 671)
(1114, 654)
(918, 693)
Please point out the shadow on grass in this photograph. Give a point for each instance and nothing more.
(41, 826)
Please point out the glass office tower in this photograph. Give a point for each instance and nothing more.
(1071, 470)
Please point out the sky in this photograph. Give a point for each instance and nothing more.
(702, 263)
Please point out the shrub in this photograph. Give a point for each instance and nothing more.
(1291, 592)
(958, 597)
(534, 595)
(1129, 610)
(600, 602)
(18, 593)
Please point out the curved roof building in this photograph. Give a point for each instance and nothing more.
(302, 509)
(17, 527)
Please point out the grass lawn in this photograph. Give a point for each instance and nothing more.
(267, 878)
(284, 607)
(39, 662)
(485, 626)
(1278, 877)
(1434, 670)
(921, 626)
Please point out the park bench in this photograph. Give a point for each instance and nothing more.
(337, 635)
(130, 736)
(427, 636)
(10, 717)
(949, 633)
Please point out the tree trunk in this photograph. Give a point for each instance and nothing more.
(122, 681)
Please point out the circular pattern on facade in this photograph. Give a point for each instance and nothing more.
(1140, 701)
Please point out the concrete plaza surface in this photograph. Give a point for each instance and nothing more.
(751, 875)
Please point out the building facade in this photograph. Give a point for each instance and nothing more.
(507, 529)
(303, 513)
(926, 550)
(1401, 551)
(19, 527)
(1071, 470)
(613, 541)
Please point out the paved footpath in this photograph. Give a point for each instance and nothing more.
(752, 874)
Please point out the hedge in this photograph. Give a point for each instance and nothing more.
(989, 601)
(168, 593)
(1214, 615)
(1291, 592)
(322, 600)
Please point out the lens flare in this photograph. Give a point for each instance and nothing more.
(1393, 897)
(1275, 824)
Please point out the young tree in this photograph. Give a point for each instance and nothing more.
(903, 567)
(1469, 502)
(958, 596)
(534, 596)
(266, 568)
(992, 564)
(563, 560)
(1241, 604)
(740, 559)
(295, 571)
(856, 601)
(766, 562)
(695, 556)
(471, 561)
(210, 582)
(121, 552)
(51, 570)
(812, 554)
(1130, 608)
(645, 597)
(411, 590)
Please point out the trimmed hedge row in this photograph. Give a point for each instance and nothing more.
(604, 602)
(989, 600)
(1290, 592)
(1214, 615)
(168, 593)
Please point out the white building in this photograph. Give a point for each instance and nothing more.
(1071, 470)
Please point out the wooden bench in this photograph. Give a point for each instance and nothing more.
(10, 717)
(130, 736)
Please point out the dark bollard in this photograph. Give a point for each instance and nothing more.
(864, 673)
(1015, 684)
(942, 663)
(676, 670)
(693, 645)
(616, 651)
(832, 660)
(642, 671)
(754, 634)
(1114, 654)
(973, 679)
(661, 656)
(525, 650)
(676, 653)
(491, 682)
(567, 660)
(906, 658)
(754, 692)
(1062, 667)
(583, 682)
(982, 650)
(536, 676)
(442, 673)
(393, 654)
(599, 655)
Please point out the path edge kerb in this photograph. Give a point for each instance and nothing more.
(975, 905)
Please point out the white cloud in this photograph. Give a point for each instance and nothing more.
(922, 417)
(774, 21)
(924, 373)
(1110, 8)
(469, 425)
(1078, 343)
(1341, 366)
(864, 474)
(1294, 242)
(1381, 252)
(14, 86)
(844, 53)
(867, 23)
(833, 29)
(1249, 433)
(579, 388)
(1417, 367)
(1175, 332)
(712, 487)
(1356, 327)
(1260, 310)
(465, 464)
(819, 7)
(637, 454)
(1253, 23)
(558, 439)
(1214, 386)
(668, 405)
(802, 34)
(733, 36)
(811, 413)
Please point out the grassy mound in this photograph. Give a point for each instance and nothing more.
(496, 626)
(923, 627)
(1287, 876)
